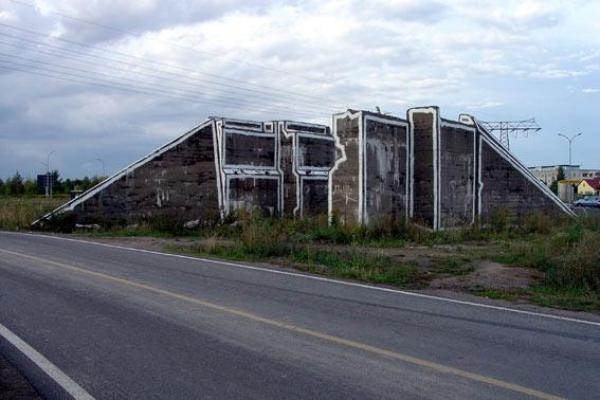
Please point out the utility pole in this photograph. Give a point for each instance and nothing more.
(570, 139)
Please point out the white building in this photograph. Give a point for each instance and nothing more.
(549, 173)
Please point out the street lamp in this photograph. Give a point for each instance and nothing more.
(570, 139)
(48, 181)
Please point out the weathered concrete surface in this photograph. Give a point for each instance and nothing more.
(250, 178)
(504, 187)
(373, 167)
(424, 122)
(254, 192)
(249, 150)
(314, 193)
(179, 185)
(222, 166)
(370, 179)
(457, 175)
(307, 155)
(386, 178)
(345, 175)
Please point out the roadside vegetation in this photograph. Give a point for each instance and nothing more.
(556, 261)
(559, 256)
(22, 201)
(17, 213)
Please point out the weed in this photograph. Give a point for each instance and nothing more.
(19, 212)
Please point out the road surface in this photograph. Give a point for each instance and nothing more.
(127, 324)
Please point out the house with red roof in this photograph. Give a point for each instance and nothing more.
(589, 187)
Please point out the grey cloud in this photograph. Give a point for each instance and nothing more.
(386, 58)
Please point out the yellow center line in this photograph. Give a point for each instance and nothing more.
(305, 331)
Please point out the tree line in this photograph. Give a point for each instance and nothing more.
(16, 185)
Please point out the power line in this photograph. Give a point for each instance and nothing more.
(123, 31)
(65, 77)
(172, 89)
(112, 85)
(262, 87)
(67, 53)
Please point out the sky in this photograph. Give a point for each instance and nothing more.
(98, 84)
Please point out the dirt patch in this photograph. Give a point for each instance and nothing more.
(489, 275)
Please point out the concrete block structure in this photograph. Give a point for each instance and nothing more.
(370, 177)
(456, 173)
(223, 165)
(443, 174)
(370, 167)
(307, 155)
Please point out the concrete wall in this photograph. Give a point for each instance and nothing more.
(248, 158)
(222, 166)
(372, 167)
(345, 187)
(369, 181)
(177, 182)
(506, 183)
(504, 186)
(307, 155)
(424, 125)
(457, 170)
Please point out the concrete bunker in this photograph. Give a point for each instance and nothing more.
(368, 168)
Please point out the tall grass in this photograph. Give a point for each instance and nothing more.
(19, 212)
(567, 252)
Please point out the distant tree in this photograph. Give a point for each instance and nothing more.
(15, 184)
(559, 177)
(561, 174)
(56, 182)
(96, 180)
(1, 187)
(86, 183)
(67, 186)
(30, 187)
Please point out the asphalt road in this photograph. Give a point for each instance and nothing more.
(134, 325)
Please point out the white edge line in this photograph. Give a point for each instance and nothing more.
(47, 367)
(317, 278)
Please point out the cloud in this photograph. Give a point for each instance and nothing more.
(590, 90)
(7, 16)
(482, 105)
(162, 67)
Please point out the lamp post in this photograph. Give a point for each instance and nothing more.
(48, 181)
(570, 139)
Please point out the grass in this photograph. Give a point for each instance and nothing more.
(573, 299)
(358, 263)
(565, 298)
(564, 250)
(17, 213)
(498, 294)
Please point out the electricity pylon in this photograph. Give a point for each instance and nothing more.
(503, 129)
